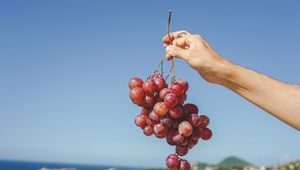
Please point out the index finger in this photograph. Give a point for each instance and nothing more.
(173, 35)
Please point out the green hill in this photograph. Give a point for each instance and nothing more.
(201, 166)
(233, 162)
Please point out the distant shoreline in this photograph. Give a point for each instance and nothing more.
(34, 165)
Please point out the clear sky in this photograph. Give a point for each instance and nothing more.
(65, 65)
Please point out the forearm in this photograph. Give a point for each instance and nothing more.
(280, 99)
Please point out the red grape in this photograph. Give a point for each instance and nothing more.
(185, 142)
(185, 128)
(137, 95)
(191, 143)
(163, 93)
(151, 122)
(197, 133)
(181, 99)
(141, 120)
(154, 117)
(171, 100)
(160, 136)
(172, 161)
(178, 138)
(181, 151)
(204, 121)
(160, 109)
(148, 130)
(160, 83)
(185, 112)
(192, 109)
(149, 87)
(177, 89)
(149, 102)
(160, 129)
(184, 165)
(167, 121)
(169, 136)
(183, 83)
(175, 112)
(135, 82)
(207, 133)
(194, 119)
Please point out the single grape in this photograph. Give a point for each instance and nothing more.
(204, 121)
(172, 161)
(170, 135)
(135, 82)
(149, 87)
(160, 109)
(181, 151)
(195, 142)
(191, 143)
(167, 121)
(194, 119)
(175, 112)
(148, 130)
(192, 109)
(149, 102)
(207, 133)
(197, 133)
(160, 83)
(177, 89)
(181, 99)
(151, 122)
(183, 83)
(185, 142)
(154, 118)
(185, 128)
(163, 93)
(185, 112)
(136, 95)
(160, 136)
(171, 100)
(178, 138)
(184, 165)
(160, 129)
(141, 120)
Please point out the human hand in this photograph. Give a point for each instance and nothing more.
(198, 54)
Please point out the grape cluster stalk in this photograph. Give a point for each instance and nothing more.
(165, 113)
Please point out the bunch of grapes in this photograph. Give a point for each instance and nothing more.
(164, 114)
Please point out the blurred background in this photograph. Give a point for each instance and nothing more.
(65, 65)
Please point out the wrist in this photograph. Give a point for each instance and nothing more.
(226, 73)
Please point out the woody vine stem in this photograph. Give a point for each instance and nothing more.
(168, 31)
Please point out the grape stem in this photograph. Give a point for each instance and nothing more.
(168, 31)
(159, 69)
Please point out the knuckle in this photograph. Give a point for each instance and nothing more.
(197, 36)
(182, 31)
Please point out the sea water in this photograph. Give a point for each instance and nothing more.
(21, 165)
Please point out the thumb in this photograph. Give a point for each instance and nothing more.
(176, 51)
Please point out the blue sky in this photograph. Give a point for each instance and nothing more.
(65, 65)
